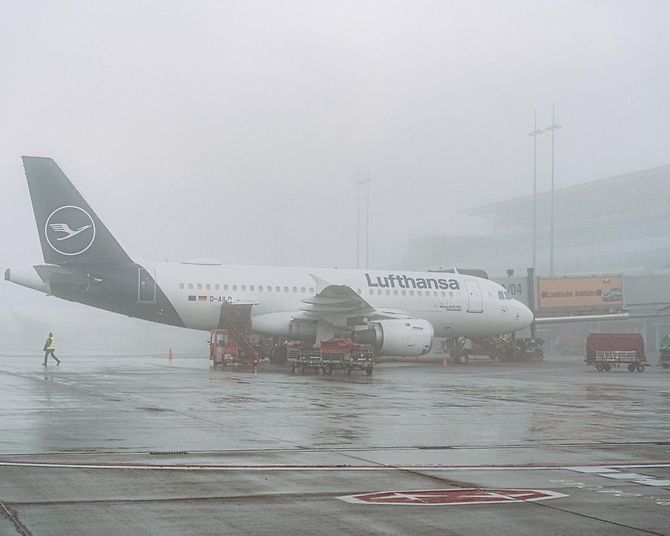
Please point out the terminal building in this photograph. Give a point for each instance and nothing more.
(614, 226)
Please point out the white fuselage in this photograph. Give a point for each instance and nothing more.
(455, 304)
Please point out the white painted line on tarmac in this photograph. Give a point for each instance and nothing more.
(624, 476)
(606, 471)
(643, 480)
(591, 469)
(451, 497)
(653, 482)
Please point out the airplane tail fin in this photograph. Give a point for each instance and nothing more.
(69, 230)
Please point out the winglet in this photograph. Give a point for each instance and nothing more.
(320, 283)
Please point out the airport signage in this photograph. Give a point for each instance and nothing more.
(516, 287)
(452, 496)
(591, 293)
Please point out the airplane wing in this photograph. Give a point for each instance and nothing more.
(340, 305)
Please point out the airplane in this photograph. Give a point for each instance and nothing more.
(398, 312)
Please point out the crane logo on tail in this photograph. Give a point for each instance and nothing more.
(69, 230)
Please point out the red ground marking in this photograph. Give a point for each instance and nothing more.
(453, 496)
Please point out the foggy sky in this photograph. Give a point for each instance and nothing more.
(188, 125)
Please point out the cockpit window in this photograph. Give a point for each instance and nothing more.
(507, 296)
(501, 295)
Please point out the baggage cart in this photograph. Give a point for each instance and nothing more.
(607, 350)
(337, 354)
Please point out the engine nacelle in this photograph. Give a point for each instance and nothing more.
(283, 325)
(397, 337)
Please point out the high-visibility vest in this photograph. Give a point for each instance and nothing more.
(52, 344)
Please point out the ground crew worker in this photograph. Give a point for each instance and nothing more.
(49, 348)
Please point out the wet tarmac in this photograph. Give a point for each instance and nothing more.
(140, 446)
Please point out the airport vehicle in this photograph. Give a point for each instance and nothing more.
(504, 347)
(397, 312)
(233, 347)
(607, 350)
(664, 359)
(337, 354)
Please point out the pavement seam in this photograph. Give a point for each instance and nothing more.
(580, 514)
(20, 527)
(470, 484)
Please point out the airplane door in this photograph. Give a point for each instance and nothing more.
(475, 301)
(146, 286)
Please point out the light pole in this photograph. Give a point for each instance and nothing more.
(358, 184)
(358, 223)
(553, 128)
(535, 133)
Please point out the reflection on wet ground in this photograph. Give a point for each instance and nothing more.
(135, 445)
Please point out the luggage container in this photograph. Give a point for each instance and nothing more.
(607, 350)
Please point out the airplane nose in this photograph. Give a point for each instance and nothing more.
(524, 315)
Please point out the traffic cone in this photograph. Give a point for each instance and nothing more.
(170, 356)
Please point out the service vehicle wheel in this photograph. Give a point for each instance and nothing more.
(631, 367)
(463, 359)
(599, 367)
(607, 367)
(347, 371)
(368, 371)
(328, 370)
(640, 368)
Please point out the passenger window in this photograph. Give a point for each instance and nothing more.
(251, 288)
(285, 289)
(190, 286)
(225, 287)
(371, 292)
(277, 289)
(379, 292)
(411, 293)
(199, 286)
(311, 290)
(208, 286)
(435, 293)
(395, 292)
(418, 293)
(181, 286)
(302, 289)
(269, 288)
(444, 294)
(295, 289)
(243, 288)
(387, 292)
(217, 287)
(234, 287)
(404, 292)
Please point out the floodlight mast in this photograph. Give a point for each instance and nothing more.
(552, 128)
(535, 133)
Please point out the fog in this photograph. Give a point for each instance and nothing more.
(236, 130)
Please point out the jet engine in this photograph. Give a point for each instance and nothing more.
(397, 337)
(283, 325)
